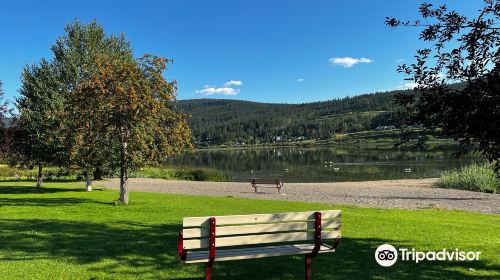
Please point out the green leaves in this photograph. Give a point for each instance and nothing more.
(131, 102)
(40, 106)
(78, 108)
(463, 50)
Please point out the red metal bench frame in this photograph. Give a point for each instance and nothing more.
(212, 223)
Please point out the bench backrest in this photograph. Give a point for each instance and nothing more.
(265, 181)
(259, 228)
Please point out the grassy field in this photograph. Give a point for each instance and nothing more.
(62, 232)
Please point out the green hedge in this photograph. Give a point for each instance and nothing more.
(180, 173)
(172, 173)
(49, 173)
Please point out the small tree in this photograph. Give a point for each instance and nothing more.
(40, 106)
(75, 54)
(457, 79)
(129, 106)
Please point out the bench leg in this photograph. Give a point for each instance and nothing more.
(208, 270)
(308, 261)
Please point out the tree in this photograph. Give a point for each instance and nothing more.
(40, 106)
(129, 105)
(457, 79)
(75, 55)
(2, 94)
(7, 147)
(4, 109)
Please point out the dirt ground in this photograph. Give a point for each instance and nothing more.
(404, 194)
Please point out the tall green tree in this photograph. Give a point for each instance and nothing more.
(40, 106)
(75, 54)
(129, 105)
(462, 50)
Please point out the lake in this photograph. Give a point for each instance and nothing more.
(325, 164)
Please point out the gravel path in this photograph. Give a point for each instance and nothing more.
(405, 194)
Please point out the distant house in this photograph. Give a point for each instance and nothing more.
(385, 127)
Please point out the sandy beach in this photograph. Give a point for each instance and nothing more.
(404, 194)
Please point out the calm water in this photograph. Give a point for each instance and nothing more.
(325, 164)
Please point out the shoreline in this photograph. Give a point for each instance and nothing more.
(400, 194)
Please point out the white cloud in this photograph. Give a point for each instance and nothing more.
(401, 60)
(226, 89)
(347, 62)
(410, 85)
(300, 80)
(218, 90)
(407, 85)
(233, 83)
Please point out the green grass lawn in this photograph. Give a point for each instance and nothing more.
(62, 232)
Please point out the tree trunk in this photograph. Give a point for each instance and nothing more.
(123, 172)
(88, 180)
(39, 178)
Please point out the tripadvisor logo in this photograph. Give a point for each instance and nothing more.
(387, 255)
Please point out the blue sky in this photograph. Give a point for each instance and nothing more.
(269, 51)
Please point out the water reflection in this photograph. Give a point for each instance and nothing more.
(325, 164)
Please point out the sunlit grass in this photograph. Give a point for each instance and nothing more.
(62, 232)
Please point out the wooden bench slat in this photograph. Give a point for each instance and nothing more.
(258, 239)
(255, 252)
(260, 218)
(258, 228)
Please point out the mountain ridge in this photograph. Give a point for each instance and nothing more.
(225, 121)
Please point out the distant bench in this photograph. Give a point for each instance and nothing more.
(277, 183)
(246, 234)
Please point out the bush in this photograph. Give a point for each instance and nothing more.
(180, 173)
(474, 177)
(172, 173)
(49, 173)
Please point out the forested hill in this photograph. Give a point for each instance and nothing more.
(220, 121)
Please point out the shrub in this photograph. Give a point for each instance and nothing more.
(49, 173)
(474, 177)
(171, 173)
(180, 173)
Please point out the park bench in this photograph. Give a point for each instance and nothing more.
(202, 239)
(277, 183)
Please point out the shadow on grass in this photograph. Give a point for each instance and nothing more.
(28, 189)
(354, 259)
(46, 180)
(45, 201)
(135, 250)
(41, 201)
